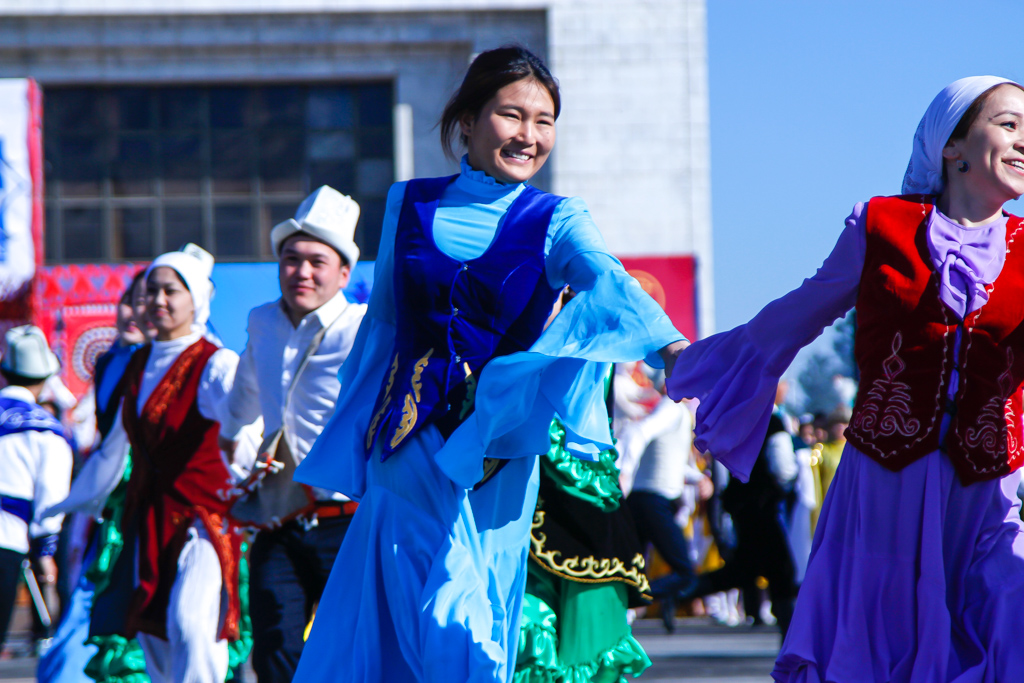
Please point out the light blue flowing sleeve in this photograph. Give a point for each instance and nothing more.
(610, 320)
(337, 461)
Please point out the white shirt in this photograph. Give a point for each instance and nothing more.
(782, 460)
(271, 358)
(34, 466)
(214, 384)
(665, 466)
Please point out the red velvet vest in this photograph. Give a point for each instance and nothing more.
(178, 477)
(905, 351)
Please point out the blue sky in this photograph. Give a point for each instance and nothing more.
(813, 108)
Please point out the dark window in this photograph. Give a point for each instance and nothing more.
(133, 233)
(135, 171)
(80, 240)
(183, 224)
(233, 225)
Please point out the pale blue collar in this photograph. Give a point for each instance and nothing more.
(479, 184)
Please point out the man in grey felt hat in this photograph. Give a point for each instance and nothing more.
(35, 464)
(288, 373)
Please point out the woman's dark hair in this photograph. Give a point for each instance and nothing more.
(490, 72)
(136, 279)
(176, 275)
(973, 111)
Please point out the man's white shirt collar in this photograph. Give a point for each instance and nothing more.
(327, 313)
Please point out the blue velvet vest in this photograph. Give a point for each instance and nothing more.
(452, 317)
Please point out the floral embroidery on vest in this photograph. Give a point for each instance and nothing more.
(417, 374)
(166, 391)
(985, 434)
(585, 569)
(408, 420)
(886, 410)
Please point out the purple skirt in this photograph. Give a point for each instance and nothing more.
(913, 578)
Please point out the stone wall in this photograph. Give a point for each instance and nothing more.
(632, 138)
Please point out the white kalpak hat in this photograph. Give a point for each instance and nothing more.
(28, 354)
(326, 215)
(195, 266)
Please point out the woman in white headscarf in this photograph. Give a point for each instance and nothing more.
(185, 606)
(917, 566)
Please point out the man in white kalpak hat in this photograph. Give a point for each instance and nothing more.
(35, 463)
(288, 373)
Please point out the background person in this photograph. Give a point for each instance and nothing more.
(67, 658)
(35, 464)
(586, 568)
(288, 373)
(664, 471)
(757, 507)
(185, 606)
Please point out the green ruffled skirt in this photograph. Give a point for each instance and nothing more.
(575, 633)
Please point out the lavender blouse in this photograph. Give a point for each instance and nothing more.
(734, 374)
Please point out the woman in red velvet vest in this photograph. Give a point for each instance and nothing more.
(185, 607)
(917, 567)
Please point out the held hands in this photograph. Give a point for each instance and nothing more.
(670, 354)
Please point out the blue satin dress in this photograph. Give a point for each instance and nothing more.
(429, 582)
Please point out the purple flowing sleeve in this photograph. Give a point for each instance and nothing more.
(735, 374)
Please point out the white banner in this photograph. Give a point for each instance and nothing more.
(17, 253)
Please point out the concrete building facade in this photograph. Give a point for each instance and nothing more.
(632, 137)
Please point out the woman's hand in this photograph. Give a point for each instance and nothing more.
(670, 353)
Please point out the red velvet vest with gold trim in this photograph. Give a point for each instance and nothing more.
(905, 349)
(178, 477)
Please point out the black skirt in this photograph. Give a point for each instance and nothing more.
(577, 541)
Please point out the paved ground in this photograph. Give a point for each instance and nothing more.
(702, 651)
(699, 651)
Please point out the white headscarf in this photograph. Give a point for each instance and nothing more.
(924, 172)
(194, 265)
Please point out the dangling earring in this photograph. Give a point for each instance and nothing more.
(962, 166)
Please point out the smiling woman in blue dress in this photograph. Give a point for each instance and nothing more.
(451, 386)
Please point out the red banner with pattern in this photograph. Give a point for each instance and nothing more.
(76, 307)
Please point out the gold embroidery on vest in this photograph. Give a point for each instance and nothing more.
(417, 374)
(154, 410)
(587, 569)
(470, 400)
(383, 404)
(407, 423)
